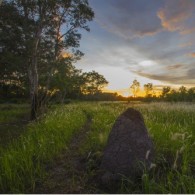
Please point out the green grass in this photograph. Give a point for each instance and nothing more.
(13, 120)
(12, 112)
(22, 163)
(103, 118)
(171, 126)
(172, 129)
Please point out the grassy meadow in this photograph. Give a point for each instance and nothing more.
(24, 161)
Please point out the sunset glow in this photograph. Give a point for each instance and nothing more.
(155, 43)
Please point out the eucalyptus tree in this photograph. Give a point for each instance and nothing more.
(46, 29)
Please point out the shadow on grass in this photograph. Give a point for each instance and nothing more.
(13, 121)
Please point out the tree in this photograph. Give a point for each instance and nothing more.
(13, 54)
(67, 81)
(135, 87)
(93, 82)
(165, 91)
(191, 94)
(183, 93)
(45, 28)
(183, 90)
(148, 88)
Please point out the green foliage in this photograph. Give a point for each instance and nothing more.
(33, 37)
(93, 82)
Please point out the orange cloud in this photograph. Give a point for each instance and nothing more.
(175, 18)
(192, 54)
(174, 23)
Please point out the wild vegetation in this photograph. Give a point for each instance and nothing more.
(24, 162)
(45, 116)
(39, 43)
(34, 50)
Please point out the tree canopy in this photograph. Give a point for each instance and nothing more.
(34, 35)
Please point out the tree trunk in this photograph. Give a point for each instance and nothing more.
(34, 106)
(33, 78)
(63, 96)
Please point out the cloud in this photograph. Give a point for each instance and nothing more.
(161, 77)
(191, 73)
(192, 54)
(178, 15)
(129, 19)
(149, 36)
(174, 67)
(172, 74)
(186, 44)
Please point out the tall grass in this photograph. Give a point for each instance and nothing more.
(11, 112)
(22, 163)
(171, 127)
(103, 118)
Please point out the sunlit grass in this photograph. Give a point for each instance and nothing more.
(103, 118)
(171, 127)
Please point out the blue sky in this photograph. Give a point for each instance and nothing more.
(148, 40)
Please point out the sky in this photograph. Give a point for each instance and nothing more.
(148, 40)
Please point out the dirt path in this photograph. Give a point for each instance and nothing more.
(68, 172)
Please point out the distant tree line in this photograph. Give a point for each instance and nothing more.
(166, 94)
(182, 94)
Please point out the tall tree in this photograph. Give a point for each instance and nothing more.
(135, 87)
(13, 54)
(47, 27)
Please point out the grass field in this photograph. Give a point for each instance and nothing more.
(24, 161)
(13, 119)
